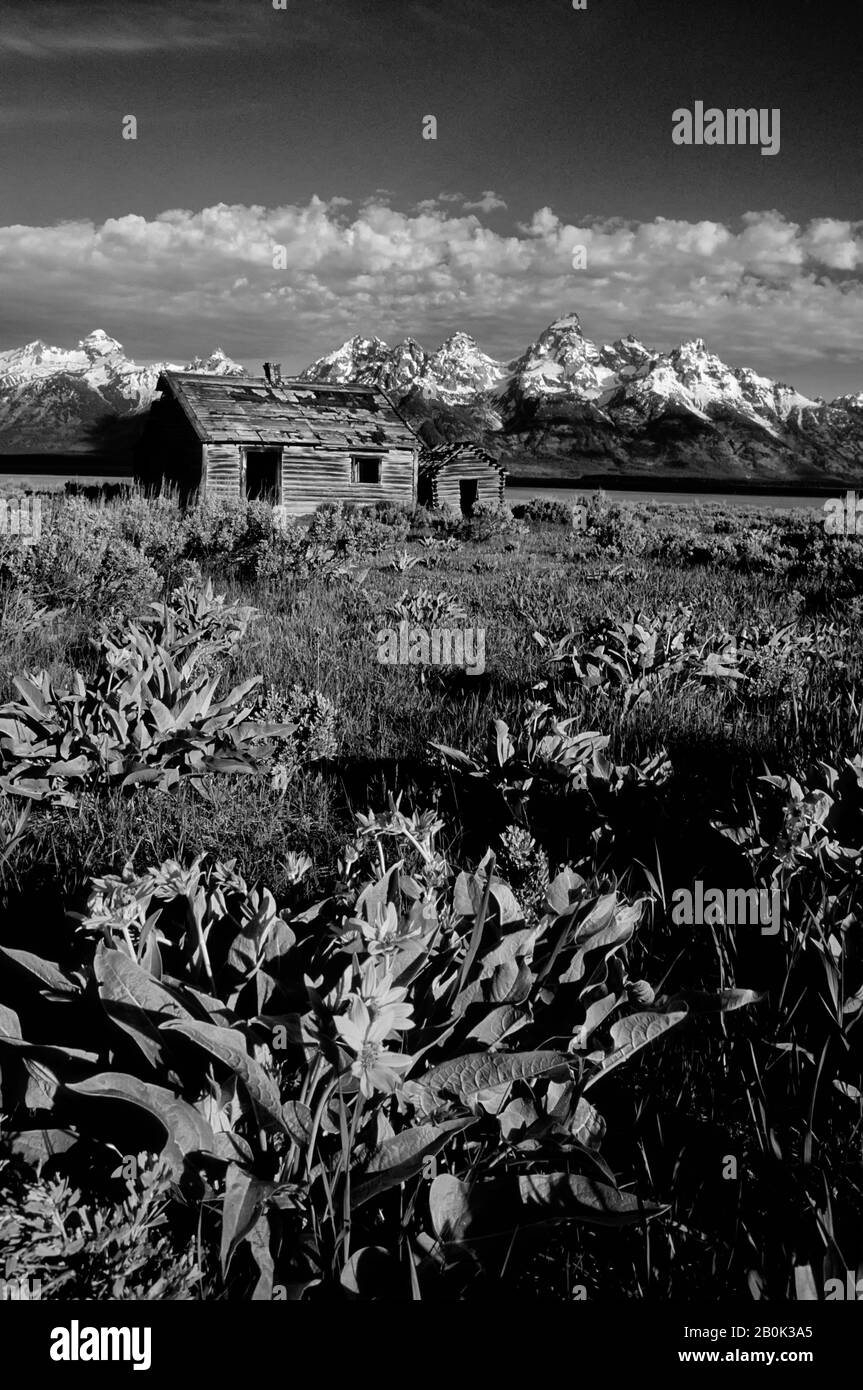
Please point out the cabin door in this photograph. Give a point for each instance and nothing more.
(262, 475)
(467, 490)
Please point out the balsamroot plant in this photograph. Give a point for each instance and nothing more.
(151, 715)
(310, 1069)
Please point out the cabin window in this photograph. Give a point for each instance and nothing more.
(262, 471)
(364, 469)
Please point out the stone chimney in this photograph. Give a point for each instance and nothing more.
(273, 372)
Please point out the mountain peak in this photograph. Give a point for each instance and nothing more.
(100, 343)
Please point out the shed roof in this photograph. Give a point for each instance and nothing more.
(433, 460)
(252, 410)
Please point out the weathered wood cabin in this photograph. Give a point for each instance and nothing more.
(459, 476)
(293, 443)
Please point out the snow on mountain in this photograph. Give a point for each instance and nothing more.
(72, 399)
(370, 362)
(609, 406)
(217, 364)
(566, 396)
(459, 370)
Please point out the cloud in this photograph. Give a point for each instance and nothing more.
(102, 28)
(768, 292)
(488, 202)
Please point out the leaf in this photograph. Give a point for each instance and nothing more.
(187, 1131)
(46, 971)
(587, 1126)
(402, 1157)
(10, 1024)
(244, 1197)
(259, 1244)
(594, 1015)
(630, 1034)
(229, 1047)
(517, 1116)
(560, 891)
(450, 1208)
(805, 1287)
(298, 1121)
(497, 1025)
(720, 1001)
(37, 1147)
(464, 1077)
(135, 1001)
(573, 1197)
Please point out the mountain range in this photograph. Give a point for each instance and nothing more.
(565, 407)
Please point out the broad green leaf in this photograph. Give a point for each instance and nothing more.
(573, 1197)
(598, 1010)
(720, 1001)
(517, 1116)
(298, 1121)
(229, 1047)
(497, 1025)
(135, 1001)
(187, 1131)
(464, 1077)
(46, 971)
(10, 1024)
(402, 1157)
(630, 1034)
(244, 1197)
(450, 1208)
(587, 1126)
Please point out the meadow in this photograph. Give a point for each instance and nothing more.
(329, 979)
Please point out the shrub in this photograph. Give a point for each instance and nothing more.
(544, 511)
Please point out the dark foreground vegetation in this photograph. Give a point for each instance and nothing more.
(322, 978)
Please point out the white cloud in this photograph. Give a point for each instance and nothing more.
(488, 202)
(768, 293)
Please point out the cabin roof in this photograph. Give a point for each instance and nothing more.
(252, 410)
(434, 459)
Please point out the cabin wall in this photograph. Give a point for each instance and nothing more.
(448, 494)
(444, 485)
(169, 451)
(223, 471)
(310, 478)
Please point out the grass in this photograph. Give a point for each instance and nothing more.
(743, 1125)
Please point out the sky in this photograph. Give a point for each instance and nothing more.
(279, 195)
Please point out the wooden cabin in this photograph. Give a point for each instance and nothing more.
(293, 443)
(459, 476)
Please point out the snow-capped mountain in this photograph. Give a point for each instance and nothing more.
(456, 373)
(564, 406)
(83, 399)
(616, 407)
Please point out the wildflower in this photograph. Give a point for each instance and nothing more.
(296, 866)
(375, 1067)
(384, 1001)
(385, 934)
(171, 880)
(118, 900)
